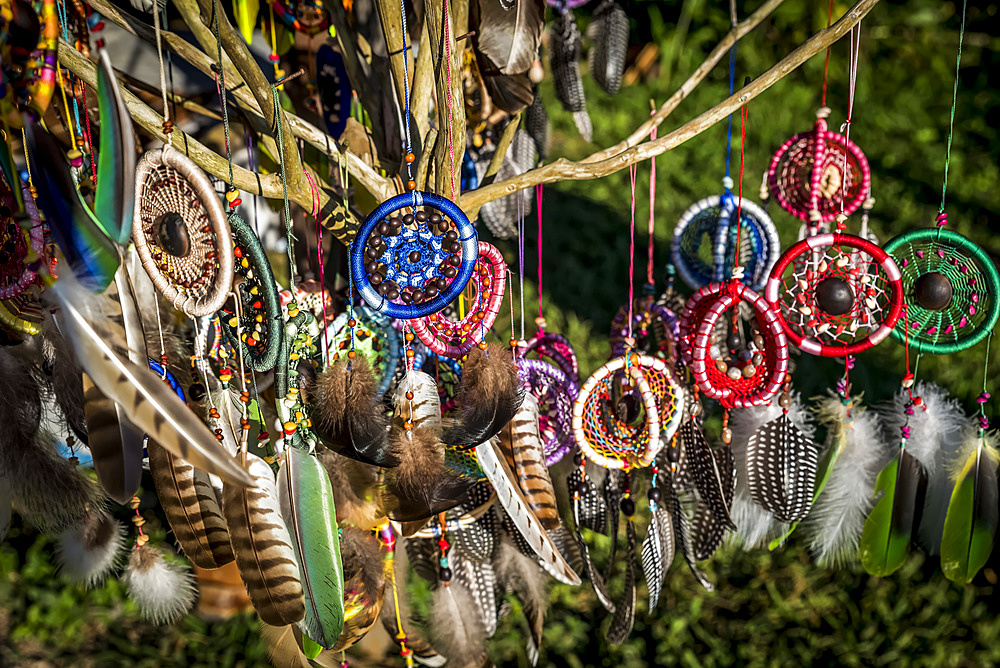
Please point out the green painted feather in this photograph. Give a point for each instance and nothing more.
(246, 17)
(306, 498)
(116, 162)
(885, 540)
(971, 523)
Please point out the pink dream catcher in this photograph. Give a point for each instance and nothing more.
(455, 339)
(749, 369)
(16, 273)
(819, 174)
(835, 294)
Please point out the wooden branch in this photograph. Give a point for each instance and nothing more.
(721, 49)
(390, 15)
(205, 35)
(564, 170)
(423, 166)
(497, 159)
(423, 84)
(447, 164)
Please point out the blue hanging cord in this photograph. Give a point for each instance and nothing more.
(406, 90)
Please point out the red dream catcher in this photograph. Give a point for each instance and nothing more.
(455, 339)
(836, 294)
(749, 369)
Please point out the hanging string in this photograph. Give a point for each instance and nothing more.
(538, 209)
(90, 138)
(406, 101)
(652, 211)
(727, 183)
(826, 60)
(163, 83)
(632, 169)
(64, 22)
(984, 423)
(845, 129)
(314, 191)
(284, 189)
(451, 134)
(744, 115)
(954, 103)
(520, 260)
(220, 84)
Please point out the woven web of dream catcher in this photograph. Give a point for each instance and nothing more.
(972, 310)
(803, 317)
(655, 328)
(555, 394)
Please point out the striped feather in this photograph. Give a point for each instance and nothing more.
(521, 445)
(513, 502)
(114, 442)
(192, 507)
(624, 617)
(306, 497)
(262, 546)
(657, 551)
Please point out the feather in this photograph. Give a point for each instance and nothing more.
(593, 511)
(284, 646)
(65, 378)
(163, 591)
(708, 530)
(609, 30)
(423, 652)
(624, 616)
(501, 215)
(536, 123)
(489, 397)
(682, 536)
(148, 402)
(521, 446)
(577, 483)
(5, 507)
(521, 576)
(505, 45)
(245, 12)
(565, 48)
(512, 501)
(857, 453)
(479, 580)
(781, 465)
(307, 507)
(971, 524)
(335, 90)
(364, 585)
(710, 476)
(899, 497)
(91, 255)
(613, 480)
(88, 552)
(354, 490)
(657, 550)
(935, 442)
(455, 626)
(347, 416)
(263, 547)
(115, 196)
(192, 507)
(472, 550)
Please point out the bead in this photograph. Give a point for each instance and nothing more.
(512, 343)
(196, 392)
(409, 396)
(721, 366)
(733, 341)
(411, 185)
(727, 435)
(482, 345)
(908, 380)
(757, 359)
(628, 507)
(577, 458)
(75, 158)
(408, 425)
(758, 342)
(834, 296)
(749, 370)
(734, 373)
(172, 235)
(654, 494)
(231, 195)
(785, 400)
(421, 216)
(410, 158)
(409, 337)
(444, 574)
(933, 291)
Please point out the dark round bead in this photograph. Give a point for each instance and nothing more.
(450, 272)
(444, 575)
(431, 291)
(383, 227)
(454, 260)
(933, 291)
(577, 458)
(376, 278)
(628, 507)
(196, 392)
(654, 494)
(418, 296)
(408, 219)
(733, 341)
(414, 256)
(392, 293)
(172, 235)
(673, 454)
(834, 296)
(454, 247)
(421, 216)
(627, 408)
(395, 223)
(441, 282)
(407, 297)
(371, 253)
(383, 289)
(452, 235)
(435, 218)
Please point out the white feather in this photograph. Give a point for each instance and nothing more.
(163, 591)
(837, 518)
(88, 552)
(755, 525)
(936, 442)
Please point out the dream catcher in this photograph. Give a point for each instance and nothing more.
(181, 233)
(27, 89)
(19, 246)
(410, 265)
(449, 338)
(654, 327)
(555, 348)
(254, 324)
(309, 296)
(554, 393)
(365, 331)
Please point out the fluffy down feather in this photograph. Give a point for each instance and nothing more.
(162, 591)
(837, 518)
(456, 628)
(755, 525)
(489, 396)
(88, 552)
(521, 575)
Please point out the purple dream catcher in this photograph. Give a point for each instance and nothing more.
(654, 327)
(555, 393)
(557, 349)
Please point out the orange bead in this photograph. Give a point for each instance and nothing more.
(411, 185)
(482, 345)
(408, 425)
(410, 157)
(409, 396)
(351, 354)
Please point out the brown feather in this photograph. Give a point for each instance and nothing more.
(284, 649)
(192, 508)
(65, 378)
(522, 448)
(354, 490)
(114, 442)
(364, 584)
(263, 547)
(422, 485)
(489, 397)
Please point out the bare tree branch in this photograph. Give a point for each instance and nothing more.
(390, 15)
(565, 170)
(423, 84)
(447, 154)
(498, 156)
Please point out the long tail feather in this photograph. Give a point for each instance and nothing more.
(364, 585)
(657, 551)
(624, 617)
(115, 195)
(973, 513)
(518, 574)
(899, 492)
(566, 46)
(781, 466)
(457, 633)
(522, 449)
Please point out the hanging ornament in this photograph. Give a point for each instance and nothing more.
(819, 174)
(334, 89)
(565, 49)
(298, 346)
(414, 264)
(555, 394)
(310, 296)
(609, 30)
(181, 232)
(455, 339)
(950, 287)
(654, 327)
(740, 372)
(556, 348)
(255, 326)
(371, 335)
(712, 220)
(605, 415)
(20, 242)
(835, 294)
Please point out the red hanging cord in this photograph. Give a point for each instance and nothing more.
(538, 209)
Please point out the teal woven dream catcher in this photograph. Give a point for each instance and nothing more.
(371, 335)
(255, 326)
(951, 290)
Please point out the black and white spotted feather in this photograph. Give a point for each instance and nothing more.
(609, 31)
(781, 469)
(682, 536)
(658, 547)
(593, 511)
(566, 47)
(472, 550)
(536, 123)
(588, 571)
(709, 475)
(613, 482)
(624, 616)
(708, 529)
